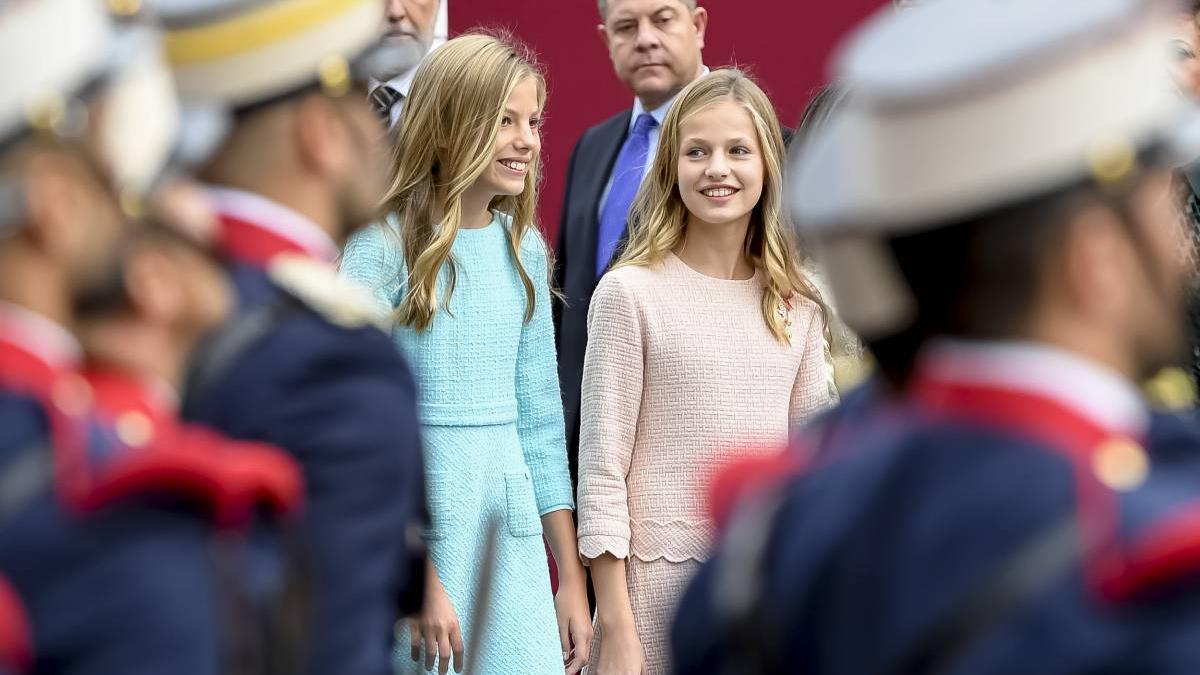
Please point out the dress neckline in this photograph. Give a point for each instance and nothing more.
(675, 261)
(473, 231)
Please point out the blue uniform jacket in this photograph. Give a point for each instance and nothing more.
(125, 590)
(904, 516)
(342, 401)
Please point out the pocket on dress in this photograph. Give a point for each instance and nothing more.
(523, 519)
(437, 496)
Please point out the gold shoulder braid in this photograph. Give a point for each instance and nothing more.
(319, 286)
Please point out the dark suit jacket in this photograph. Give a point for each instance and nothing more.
(575, 272)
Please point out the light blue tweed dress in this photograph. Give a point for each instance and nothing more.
(492, 419)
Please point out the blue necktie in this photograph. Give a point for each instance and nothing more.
(626, 179)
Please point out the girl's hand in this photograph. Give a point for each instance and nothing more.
(621, 651)
(574, 622)
(437, 630)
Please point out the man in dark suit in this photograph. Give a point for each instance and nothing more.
(408, 37)
(655, 46)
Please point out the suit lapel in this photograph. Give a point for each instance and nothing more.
(608, 145)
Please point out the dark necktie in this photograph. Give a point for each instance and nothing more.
(382, 99)
(626, 179)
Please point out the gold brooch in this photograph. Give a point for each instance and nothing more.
(784, 311)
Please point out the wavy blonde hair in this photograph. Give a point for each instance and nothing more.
(658, 217)
(445, 141)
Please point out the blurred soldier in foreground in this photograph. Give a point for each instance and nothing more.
(1000, 228)
(114, 542)
(303, 364)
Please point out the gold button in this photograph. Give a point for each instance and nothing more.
(1112, 159)
(46, 112)
(333, 72)
(1171, 389)
(134, 429)
(1121, 464)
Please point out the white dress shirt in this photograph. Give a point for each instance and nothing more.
(402, 84)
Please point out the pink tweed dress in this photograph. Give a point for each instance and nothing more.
(682, 375)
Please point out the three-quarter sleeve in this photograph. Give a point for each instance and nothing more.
(612, 395)
(373, 259)
(814, 389)
(539, 399)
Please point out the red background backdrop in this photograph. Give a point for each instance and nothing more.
(784, 43)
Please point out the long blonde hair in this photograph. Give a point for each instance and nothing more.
(445, 141)
(658, 217)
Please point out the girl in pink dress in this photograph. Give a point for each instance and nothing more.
(706, 342)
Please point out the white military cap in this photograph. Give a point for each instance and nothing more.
(244, 53)
(965, 106)
(968, 105)
(58, 58)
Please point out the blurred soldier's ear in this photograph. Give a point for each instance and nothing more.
(322, 136)
(150, 283)
(58, 194)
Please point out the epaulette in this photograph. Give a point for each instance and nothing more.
(320, 287)
(16, 635)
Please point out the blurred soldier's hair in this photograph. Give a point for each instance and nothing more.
(819, 108)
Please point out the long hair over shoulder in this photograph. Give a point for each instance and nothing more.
(658, 217)
(445, 141)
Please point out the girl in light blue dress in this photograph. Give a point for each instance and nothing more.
(464, 273)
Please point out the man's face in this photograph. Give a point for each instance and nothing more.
(87, 233)
(206, 298)
(408, 33)
(655, 46)
(1183, 48)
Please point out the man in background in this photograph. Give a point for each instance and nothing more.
(655, 46)
(408, 37)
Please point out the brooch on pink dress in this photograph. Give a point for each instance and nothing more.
(784, 311)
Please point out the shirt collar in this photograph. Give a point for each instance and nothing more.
(660, 113)
(1090, 389)
(275, 218)
(39, 336)
(401, 83)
